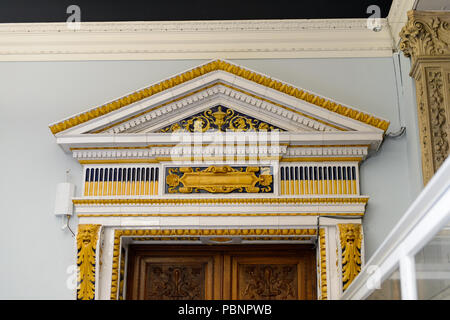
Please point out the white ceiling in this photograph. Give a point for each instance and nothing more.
(433, 5)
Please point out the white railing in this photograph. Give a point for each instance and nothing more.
(396, 258)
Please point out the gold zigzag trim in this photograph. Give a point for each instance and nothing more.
(198, 201)
(233, 69)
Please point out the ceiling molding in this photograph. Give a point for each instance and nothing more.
(398, 16)
(247, 39)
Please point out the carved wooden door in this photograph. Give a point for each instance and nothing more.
(218, 272)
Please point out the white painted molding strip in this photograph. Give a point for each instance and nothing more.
(398, 16)
(248, 39)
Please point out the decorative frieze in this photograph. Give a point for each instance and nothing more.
(220, 119)
(426, 39)
(219, 179)
(221, 201)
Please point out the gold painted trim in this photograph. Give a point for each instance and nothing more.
(223, 144)
(223, 240)
(103, 215)
(329, 146)
(117, 161)
(284, 107)
(197, 201)
(220, 158)
(175, 233)
(230, 68)
(321, 159)
(87, 237)
(323, 265)
(154, 108)
(125, 148)
(174, 159)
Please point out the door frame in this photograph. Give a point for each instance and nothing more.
(225, 259)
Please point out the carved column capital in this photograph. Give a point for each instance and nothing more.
(426, 39)
(426, 33)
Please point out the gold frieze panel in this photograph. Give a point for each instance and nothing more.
(220, 119)
(219, 179)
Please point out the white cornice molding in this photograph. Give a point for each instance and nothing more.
(397, 17)
(248, 39)
(177, 151)
(142, 140)
(318, 205)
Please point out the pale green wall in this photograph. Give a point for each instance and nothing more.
(35, 253)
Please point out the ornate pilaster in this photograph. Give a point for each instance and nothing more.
(351, 240)
(426, 39)
(86, 252)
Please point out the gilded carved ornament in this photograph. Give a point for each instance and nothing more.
(216, 119)
(323, 265)
(219, 179)
(86, 251)
(350, 240)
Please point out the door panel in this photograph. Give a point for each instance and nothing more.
(173, 275)
(266, 279)
(176, 278)
(219, 272)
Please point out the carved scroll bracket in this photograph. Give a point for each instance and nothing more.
(86, 252)
(351, 241)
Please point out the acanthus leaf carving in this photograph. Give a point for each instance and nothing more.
(426, 39)
(438, 118)
(269, 282)
(425, 34)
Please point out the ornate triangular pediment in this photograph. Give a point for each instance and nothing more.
(219, 83)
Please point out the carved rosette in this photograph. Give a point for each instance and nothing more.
(86, 250)
(351, 240)
(426, 39)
